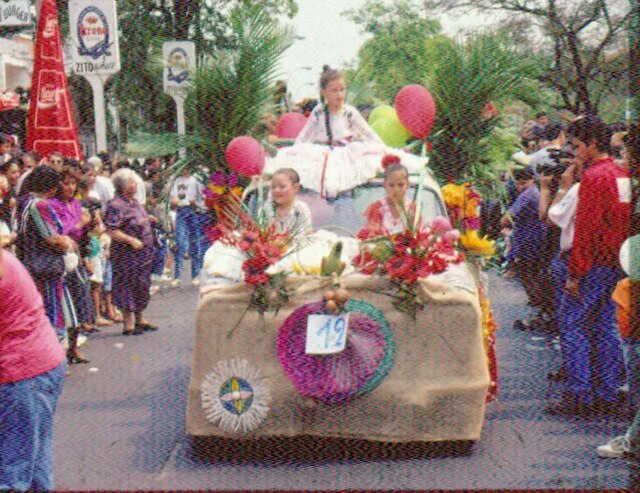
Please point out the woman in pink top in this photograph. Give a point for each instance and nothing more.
(32, 370)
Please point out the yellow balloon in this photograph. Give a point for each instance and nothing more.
(391, 130)
(381, 112)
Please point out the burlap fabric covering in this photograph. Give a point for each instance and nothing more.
(435, 391)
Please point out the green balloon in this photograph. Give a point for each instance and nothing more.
(381, 112)
(391, 131)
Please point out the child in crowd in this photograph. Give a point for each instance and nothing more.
(391, 214)
(289, 214)
(95, 260)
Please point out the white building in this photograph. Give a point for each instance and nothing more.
(17, 55)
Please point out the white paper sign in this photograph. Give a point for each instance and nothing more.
(326, 334)
(179, 58)
(94, 32)
(15, 13)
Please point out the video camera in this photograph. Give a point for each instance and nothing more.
(559, 161)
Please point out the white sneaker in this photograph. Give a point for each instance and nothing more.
(154, 289)
(175, 283)
(165, 278)
(615, 448)
(195, 282)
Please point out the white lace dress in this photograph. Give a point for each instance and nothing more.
(354, 159)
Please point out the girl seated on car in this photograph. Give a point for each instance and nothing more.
(391, 214)
(289, 214)
(336, 150)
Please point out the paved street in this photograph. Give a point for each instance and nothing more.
(121, 425)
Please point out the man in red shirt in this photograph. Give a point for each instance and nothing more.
(588, 325)
(32, 370)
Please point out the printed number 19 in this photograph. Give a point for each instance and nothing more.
(338, 327)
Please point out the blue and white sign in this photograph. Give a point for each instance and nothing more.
(15, 13)
(326, 334)
(179, 62)
(94, 31)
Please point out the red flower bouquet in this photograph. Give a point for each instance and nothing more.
(408, 256)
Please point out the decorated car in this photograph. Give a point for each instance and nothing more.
(388, 338)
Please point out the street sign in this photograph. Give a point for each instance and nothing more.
(94, 32)
(15, 13)
(179, 59)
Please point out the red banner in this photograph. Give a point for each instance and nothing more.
(51, 125)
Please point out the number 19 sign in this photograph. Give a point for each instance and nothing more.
(326, 334)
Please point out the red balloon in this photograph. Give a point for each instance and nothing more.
(416, 110)
(289, 125)
(245, 156)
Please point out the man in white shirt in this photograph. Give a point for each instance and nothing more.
(184, 197)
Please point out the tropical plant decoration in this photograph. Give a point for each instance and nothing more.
(231, 86)
(463, 205)
(467, 76)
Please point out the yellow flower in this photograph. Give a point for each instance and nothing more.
(454, 195)
(472, 242)
(300, 270)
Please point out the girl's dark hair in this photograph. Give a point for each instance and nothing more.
(290, 173)
(4, 168)
(44, 179)
(590, 128)
(69, 172)
(328, 74)
(392, 168)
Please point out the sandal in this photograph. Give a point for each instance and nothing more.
(146, 327)
(133, 332)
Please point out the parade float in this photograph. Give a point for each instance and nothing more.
(385, 338)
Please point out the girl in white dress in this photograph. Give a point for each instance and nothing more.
(336, 150)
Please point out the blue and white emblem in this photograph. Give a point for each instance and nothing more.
(93, 33)
(235, 397)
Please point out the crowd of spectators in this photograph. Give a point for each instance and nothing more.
(573, 205)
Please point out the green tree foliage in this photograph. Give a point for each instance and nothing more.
(145, 24)
(574, 39)
(402, 43)
(231, 87)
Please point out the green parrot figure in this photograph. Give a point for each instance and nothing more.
(331, 264)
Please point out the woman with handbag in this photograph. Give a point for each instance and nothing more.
(75, 222)
(42, 246)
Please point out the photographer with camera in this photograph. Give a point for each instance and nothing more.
(587, 317)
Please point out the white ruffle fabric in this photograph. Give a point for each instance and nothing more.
(330, 171)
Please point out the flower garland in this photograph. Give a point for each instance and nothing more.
(463, 205)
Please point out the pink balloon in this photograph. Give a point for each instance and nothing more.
(289, 125)
(416, 110)
(245, 156)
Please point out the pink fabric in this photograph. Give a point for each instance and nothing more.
(28, 343)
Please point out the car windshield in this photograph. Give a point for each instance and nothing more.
(346, 212)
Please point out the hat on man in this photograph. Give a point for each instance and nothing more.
(630, 257)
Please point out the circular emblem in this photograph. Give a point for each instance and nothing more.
(93, 33)
(178, 65)
(235, 397)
